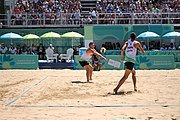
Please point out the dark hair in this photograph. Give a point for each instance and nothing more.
(133, 36)
(90, 43)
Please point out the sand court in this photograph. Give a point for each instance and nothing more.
(63, 94)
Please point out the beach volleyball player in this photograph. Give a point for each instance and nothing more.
(129, 57)
(84, 60)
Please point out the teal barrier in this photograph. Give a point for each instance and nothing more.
(112, 52)
(8, 61)
(175, 53)
(177, 64)
(151, 62)
(105, 64)
(144, 62)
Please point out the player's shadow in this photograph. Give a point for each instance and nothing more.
(123, 93)
(79, 82)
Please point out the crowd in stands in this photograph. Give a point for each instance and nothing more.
(140, 9)
(53, 11)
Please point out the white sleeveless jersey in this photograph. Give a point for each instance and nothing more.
(86, 56)
(130, 52)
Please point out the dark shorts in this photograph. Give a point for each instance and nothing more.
(95, 62)
(83, 63)
(129, 65)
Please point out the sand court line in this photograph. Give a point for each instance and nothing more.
(115, 76)
(96, 106)
(31, 87)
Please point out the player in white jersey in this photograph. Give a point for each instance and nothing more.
(84, 60)
(130, 47)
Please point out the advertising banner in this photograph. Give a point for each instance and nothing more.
(8, 61)
(143, 62)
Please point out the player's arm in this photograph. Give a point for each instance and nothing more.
(96, 53)
(140, 48)
(122, 51)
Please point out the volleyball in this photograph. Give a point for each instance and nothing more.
(103, 50)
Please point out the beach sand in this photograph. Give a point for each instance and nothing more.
(65, 95)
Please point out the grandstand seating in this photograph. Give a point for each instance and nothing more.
(79, 12)
(107, 6)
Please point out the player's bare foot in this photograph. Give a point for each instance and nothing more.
(89, 82)
(115, 91)
(135, 89)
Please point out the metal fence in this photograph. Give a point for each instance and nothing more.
(75, 20)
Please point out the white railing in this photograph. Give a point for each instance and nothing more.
(71, 20)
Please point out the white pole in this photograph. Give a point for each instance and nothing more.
(72, 42)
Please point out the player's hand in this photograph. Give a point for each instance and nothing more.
(144, 52)
(104, 59)
(122, 58)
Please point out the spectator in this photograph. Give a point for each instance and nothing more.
(3, 49)
(41, 51)
(12, 49)
(76, 50)
(171, 47)
(33, 49)
(92, 13)
(178, 47)
(77, 16)
(163, 47)
(89, 20)
(143, 45)
(51, 47)
(24, 49)
(19, 49)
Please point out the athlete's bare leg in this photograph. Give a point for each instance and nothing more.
(87, 72)
(126, 74)
(100, 65)
(134, 79)
(90, 72)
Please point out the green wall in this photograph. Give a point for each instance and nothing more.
(122, 32)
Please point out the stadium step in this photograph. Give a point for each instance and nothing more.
(87, 5)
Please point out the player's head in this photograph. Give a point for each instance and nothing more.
(91, 45)
(133, 36)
